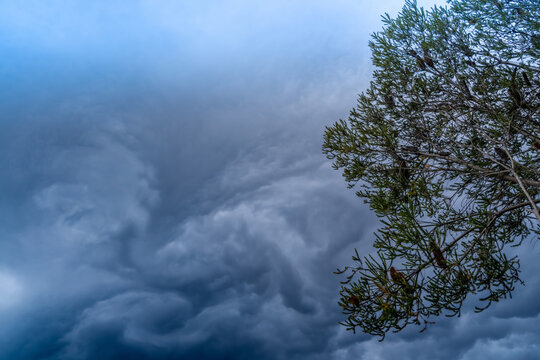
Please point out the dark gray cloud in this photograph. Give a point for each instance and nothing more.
(164, 195)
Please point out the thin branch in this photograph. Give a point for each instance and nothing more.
(456, 240)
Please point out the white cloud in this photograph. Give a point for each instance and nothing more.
(11, 290)
(98, 190)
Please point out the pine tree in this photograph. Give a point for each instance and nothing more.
(444, 147)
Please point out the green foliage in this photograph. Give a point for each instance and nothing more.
(444, 147)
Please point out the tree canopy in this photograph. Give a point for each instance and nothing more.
(444, 146)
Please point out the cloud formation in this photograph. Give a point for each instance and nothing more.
(165, 196)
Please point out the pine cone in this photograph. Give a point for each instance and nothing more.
(438, 255)
(420, 62)
(516, 95)
(399, 279)
(428, 60)
(389, 101)
(354, 300)
(526, 78)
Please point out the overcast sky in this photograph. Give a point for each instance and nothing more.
(164, 195)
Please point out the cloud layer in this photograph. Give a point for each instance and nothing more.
(164, 193)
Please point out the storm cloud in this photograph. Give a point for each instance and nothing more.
(164, 195)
